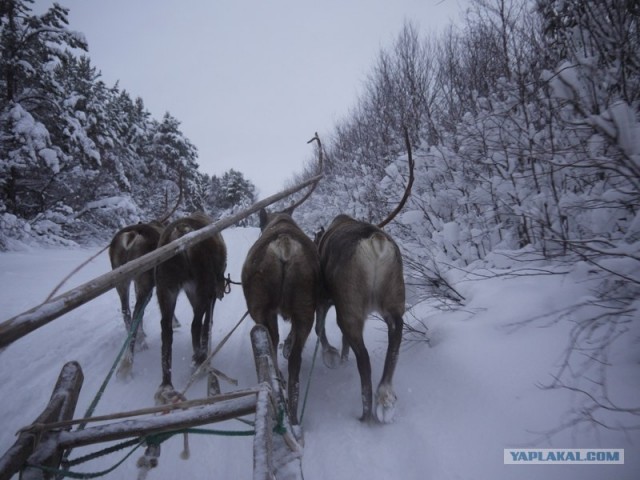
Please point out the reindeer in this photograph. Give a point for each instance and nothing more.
(128, 244)
(362, 273)
(199, 271)
(281, 276)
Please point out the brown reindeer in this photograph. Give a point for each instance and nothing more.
(362, 273)
(199, 271)
(128, 244)
(281, 275)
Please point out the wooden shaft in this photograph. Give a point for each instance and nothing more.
(218, 412)
(60, 407)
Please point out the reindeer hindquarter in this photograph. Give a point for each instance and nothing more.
(380, 262)
(369, 280)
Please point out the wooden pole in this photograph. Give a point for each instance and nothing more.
(286, 446)
(60, 407)
(218, 412)
(20, 325)
(43, 427)
(263, 468)
(262, 441)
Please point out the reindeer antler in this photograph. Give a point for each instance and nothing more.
(407, 190)
(315, 138)
(168, 215)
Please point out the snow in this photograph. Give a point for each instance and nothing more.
(412, 217)
(628, 128)
(123, 203)
(50, 158)
(28, 130)
(464, 396)
(451, 232)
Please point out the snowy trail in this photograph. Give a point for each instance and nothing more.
(461, 401)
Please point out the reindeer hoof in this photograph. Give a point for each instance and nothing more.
(198, 359)
(149, 460)
(125, 370)
(331, 358)
(167, 395)
(385, 404)
(385, 414)
(175, 323)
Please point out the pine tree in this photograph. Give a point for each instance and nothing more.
(30, 48)
(230, 193)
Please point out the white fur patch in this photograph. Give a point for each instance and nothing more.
(385, 404)
(284, 248)
(376, 257)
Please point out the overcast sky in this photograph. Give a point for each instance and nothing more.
(250, 81)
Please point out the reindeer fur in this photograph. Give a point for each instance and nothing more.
(281, 275)
(128, 244)
(199, 271)
(362, 274)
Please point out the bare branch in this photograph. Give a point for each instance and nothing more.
(167, 215)
(319, 172)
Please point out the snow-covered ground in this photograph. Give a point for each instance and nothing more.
(464, 397)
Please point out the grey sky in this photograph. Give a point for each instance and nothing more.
(250, 81)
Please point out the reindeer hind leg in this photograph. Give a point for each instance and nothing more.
(144, 290)
(167, 298)
(330, 355)
(300, 329)
(123, 294)
(126, 365)
(385, 396)
(352, 329)
(202, 300)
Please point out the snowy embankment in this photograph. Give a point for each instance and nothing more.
(464, 397)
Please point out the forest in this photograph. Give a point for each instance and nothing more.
(79, 158)
(524, 123)
(525, 130)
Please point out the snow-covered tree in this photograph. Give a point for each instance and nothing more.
(230, 193)
(526, 139)
(78, 158)
(31, 47)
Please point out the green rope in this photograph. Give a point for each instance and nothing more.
(306, 393)
(61, 473)
(156, 439)
(103, 387)
(279, 427)
(101, 453)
